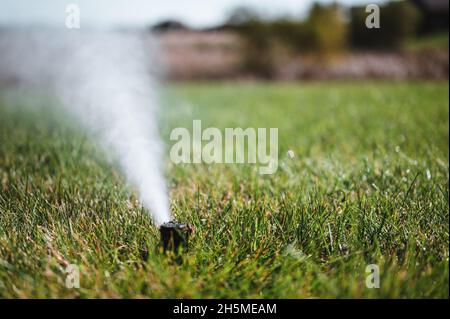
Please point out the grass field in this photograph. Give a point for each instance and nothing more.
(369, 184)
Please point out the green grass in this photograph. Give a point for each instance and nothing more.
(368, 185)
(432, 41)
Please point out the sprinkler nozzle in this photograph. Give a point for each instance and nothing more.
(175, 235)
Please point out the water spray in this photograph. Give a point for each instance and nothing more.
(106, 80)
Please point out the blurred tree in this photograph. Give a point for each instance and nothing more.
(326, 29)
(241, 16)
(323, 33)
(292, 34)
(258, 57)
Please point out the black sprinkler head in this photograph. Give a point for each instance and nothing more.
(175, 235)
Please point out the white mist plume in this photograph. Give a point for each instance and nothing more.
(104, 79)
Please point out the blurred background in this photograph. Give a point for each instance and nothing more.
(276, 40)
(363, 139)
(330, 41)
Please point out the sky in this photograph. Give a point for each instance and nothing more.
(142, 13)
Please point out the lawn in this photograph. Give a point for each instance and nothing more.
(368, 184)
